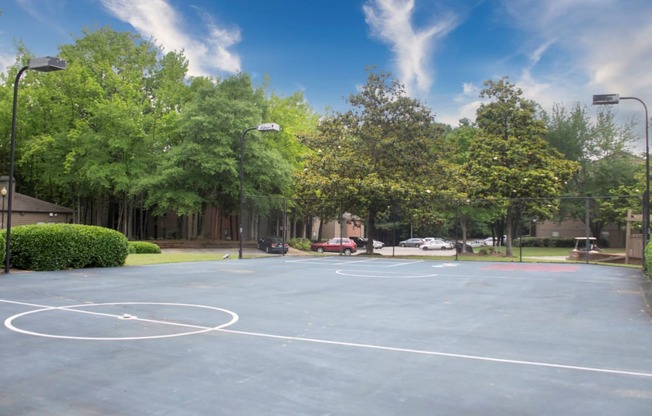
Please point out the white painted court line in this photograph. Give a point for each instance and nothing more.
(406, 263)
(445, 354)
(335, 261)
(309, 260)
(374, 275)
(354, 262)
(222, 328)
(195, 329)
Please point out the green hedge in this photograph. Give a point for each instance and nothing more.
(299, 243)
(143, 247)
(3, 246)
(549, 242)
(66, 246)
(648, 259)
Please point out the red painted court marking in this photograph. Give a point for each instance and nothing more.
(529, 267)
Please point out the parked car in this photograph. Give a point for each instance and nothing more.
(428, 239)
(335, 245)
(475, 243)
(437, 244)
(490, 241)
(273, 244)
(459, 245)
(359, 241)
(411, 242)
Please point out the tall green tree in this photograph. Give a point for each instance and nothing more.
(521, 174)
(91, 128)
(468, 212)
(602, 150)
(384, 152)
(297, 119)
(200, 165)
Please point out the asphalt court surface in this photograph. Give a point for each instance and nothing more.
(326, 335)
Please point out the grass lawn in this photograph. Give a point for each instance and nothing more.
(145, 259)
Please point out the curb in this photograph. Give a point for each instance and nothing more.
(645, 286)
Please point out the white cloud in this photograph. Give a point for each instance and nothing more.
(607, 42)
(591, 46)
(465, 104)
(452, 115)
(159, 20)
(391, 22)
(6, 61)
(468, 90)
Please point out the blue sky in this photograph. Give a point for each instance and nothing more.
(557, 51)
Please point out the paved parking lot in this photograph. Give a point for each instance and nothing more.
(318, 335)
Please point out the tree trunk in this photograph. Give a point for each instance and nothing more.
(509, 228)
(371, 231)
(464, 227)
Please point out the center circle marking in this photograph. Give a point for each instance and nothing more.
(9, 322)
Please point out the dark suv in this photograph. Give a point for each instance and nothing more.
(359, 241)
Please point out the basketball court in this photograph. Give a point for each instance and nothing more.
(320, 335)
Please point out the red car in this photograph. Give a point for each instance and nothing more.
(335, 245)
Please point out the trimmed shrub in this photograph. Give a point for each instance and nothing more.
(648, 260)
(3, 246)
(299, 243)
(66, 246)
(544, 242)
(143, 247)
(483, 251)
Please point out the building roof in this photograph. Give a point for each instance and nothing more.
(24, 203)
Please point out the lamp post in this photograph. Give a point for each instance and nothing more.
(615, 99)
(4, 195)
(45, 64)
(260, 127)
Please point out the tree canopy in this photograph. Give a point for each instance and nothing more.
(385, 153)
(124, 134)
(124, 129)
(512, 166)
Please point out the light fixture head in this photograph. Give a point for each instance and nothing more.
(606, 99)
(47, 64)
(268, 127)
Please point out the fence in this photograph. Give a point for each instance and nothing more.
(609, 219)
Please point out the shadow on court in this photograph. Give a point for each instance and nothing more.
(326, 335)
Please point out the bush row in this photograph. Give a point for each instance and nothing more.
(143, 247)
(66, 246)
(550, 242)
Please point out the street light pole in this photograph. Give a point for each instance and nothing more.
(46, 64)
(260, 127)
(615, 99)
(3, 192)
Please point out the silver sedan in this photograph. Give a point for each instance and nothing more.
(437, 244)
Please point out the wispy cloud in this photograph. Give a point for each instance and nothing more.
(606, 42)
(159, 20)
(46, 12)
(391, 22)
(567, 50)
(43, 12)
